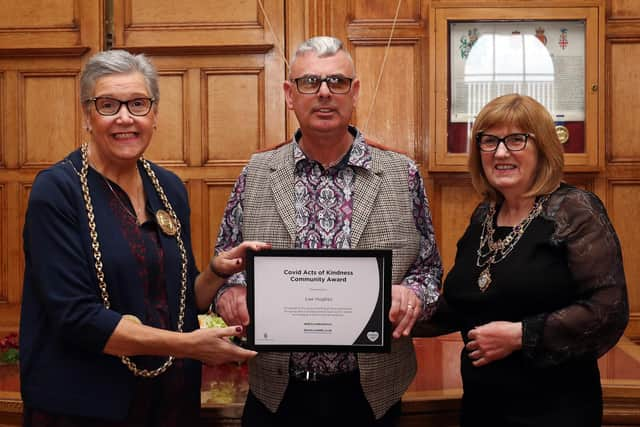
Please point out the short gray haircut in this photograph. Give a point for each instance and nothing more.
(117, 61)
(322, 46)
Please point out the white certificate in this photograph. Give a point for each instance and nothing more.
(319, 300)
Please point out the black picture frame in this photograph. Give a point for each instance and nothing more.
(378, 325)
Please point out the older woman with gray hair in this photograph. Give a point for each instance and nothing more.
(109, 332)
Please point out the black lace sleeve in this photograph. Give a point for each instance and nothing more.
(597, 318)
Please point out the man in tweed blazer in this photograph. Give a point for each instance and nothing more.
(329, 187)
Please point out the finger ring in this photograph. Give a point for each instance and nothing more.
(409, 307)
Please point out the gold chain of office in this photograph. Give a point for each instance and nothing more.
(496, 251)
(98, 256)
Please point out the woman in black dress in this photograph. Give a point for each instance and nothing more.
(538, 288)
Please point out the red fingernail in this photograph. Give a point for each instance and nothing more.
(238, 261)
(238, 328)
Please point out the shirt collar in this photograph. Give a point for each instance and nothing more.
(359, 154)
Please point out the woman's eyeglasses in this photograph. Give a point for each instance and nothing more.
(106, 106)
(514, 142)
(310, 84)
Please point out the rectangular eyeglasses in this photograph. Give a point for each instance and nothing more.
(514, 142)
(107, 106)
(310, 84)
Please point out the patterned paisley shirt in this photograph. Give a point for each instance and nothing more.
(323, 201)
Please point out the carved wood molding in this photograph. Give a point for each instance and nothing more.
(623, 29)
(200, 50)
(43, 51)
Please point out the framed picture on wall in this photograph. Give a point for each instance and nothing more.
(482, 53)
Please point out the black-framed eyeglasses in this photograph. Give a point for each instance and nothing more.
(310, 84)
(514, 142)
(107, 106)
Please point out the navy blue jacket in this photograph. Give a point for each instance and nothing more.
(64, 325)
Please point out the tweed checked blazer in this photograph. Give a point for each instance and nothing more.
(382, 218)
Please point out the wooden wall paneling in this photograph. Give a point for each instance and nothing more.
(454, 200)
(446, 351)
(3, 113)
(4, 245)
(194, 104)
(48, 116)
(216, 198)
(34, 24)
(623, 103)
(42, 48)
(170, 144)
(238, 91)
(51, 28)
(624, 209)
(395, 119)
(233, 114)
(18, 208)
(16, 198)
(319, 16)
(622, 154)
(9, 119)
(204, 23)
(427, 348)
(372, 11)
(506, 4)
(195, 192)
(623, 9)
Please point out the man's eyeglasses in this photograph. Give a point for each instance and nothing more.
(310, 84)
(106, 106)
(514, 142)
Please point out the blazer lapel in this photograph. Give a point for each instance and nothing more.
(282, 182)
(367, 185)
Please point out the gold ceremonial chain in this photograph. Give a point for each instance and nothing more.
(98, 256)
(497, 251)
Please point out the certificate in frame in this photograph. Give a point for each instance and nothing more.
(319, 300)
(572, 42)
(543, 59)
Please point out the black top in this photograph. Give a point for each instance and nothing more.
(564, 281)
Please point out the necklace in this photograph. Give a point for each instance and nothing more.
(492, 252)
(84, 172)
(122, 204)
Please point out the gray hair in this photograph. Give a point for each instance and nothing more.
(322, 46)
(118, 62)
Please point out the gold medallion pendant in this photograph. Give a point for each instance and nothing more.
(484, 280)
(166, 223)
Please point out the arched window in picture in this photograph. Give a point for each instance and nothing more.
(524, 65)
